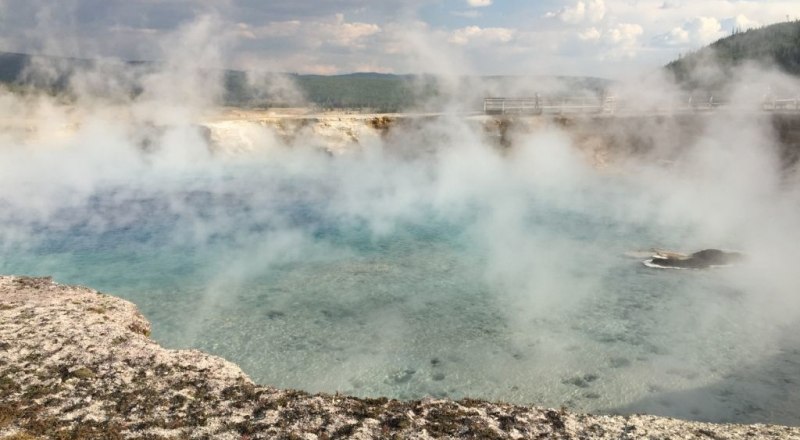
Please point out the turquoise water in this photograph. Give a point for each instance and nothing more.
(386, 287)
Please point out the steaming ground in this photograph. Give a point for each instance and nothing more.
(433, 264)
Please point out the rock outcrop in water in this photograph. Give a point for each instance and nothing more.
(699, 260)
(75, 363)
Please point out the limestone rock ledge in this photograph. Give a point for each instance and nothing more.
(75, 363)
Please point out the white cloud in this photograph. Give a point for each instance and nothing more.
(592, 11)
(625, 33)
(698, 31)
(272, 29)
(624, 40)
(321, 69)
(336, 31)
(345, 33)
(302, 35)
(611, 42)
(596, 10)
(706, 29)
(742, 23)
(472, 13)
(678, 35)
(574, 14)
(482, 35)
(590, 34)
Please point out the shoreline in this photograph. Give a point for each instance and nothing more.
(77, 363)
(607, 142)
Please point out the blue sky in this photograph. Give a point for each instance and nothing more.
(610, 38)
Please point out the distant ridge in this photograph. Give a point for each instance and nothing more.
(380, 92)
(12, 65)
(777, 45)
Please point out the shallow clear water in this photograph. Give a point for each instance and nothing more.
(530, 301)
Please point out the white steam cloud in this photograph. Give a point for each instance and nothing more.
(543, 227)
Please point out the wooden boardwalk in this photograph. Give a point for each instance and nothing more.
(782, 105)
(539, 105)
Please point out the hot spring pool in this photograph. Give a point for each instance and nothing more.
(316, 282)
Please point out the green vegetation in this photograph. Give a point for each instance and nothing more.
(378, 92)
(393, 93)
(375, 92)
(711, 67)
(11, 66)
(381, 92)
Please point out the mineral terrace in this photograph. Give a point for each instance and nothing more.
(78, 364)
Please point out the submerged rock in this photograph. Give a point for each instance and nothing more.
(400, 376)
(78, 364)
(581, 381)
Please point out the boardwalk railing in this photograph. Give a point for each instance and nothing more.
(538, 105)
(781, 105)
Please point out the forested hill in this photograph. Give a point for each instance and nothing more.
(358, 90)
(373, 91)
(777, 45)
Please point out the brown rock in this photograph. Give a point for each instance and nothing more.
(69, 372)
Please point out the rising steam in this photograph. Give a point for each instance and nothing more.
(519, 250)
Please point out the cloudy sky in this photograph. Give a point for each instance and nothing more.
(610, 38)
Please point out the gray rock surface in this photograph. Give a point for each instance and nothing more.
(75, 363)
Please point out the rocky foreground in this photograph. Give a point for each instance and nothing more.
(78, 364)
